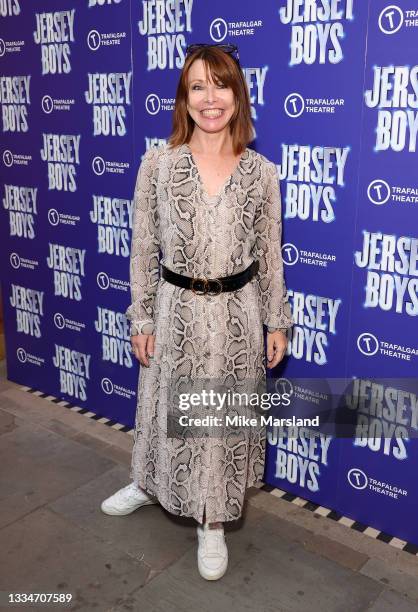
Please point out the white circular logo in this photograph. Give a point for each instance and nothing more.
(14, 260)
(357, 478)
(47, 104)
(53, 216)
(290, 254)
(98, 165)
(218, 29)
(390, 19)
(93, 40)
(152, 104)
(378, 192)
(107, 386)
(294, 105)
(284, 385)
(367, 344)
(7, 158)
(21, 354)
(59, 320)
(103, 280)
(2, 47)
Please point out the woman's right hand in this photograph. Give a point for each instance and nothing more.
(142, 346)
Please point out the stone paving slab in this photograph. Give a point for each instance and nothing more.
(334, 531)
(390, 601)
(37, 410)
(37, 466)
(150, 533)
(44, 553)
(267, 571)
(393, 577)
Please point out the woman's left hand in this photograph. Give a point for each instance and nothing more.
(276, 347)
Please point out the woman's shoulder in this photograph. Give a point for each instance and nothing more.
(262, 159)
(159, 153)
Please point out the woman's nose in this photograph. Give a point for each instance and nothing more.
(210, 94)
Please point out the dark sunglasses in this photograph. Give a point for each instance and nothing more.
(231, 49)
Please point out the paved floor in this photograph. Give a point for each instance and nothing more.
(56, 466)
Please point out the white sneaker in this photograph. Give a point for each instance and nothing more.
(212, 553)
(126, 500)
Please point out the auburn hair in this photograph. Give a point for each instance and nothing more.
(223, 68)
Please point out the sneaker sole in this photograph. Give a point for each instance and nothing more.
(212, 576)
(114, 512)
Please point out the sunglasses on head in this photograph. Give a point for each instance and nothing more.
(231, 49)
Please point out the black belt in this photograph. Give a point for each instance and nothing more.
(212, 286)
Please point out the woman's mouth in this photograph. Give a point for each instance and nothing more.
(212, 113)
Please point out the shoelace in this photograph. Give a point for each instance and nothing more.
(130, 494)
(213, 541)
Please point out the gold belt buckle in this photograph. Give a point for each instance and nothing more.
(205, 284)
(216, 280)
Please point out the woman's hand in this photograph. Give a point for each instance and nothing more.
(276, 347)
(142, 346)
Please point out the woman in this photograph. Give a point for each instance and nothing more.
(213, 208)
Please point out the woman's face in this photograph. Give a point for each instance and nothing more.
(211, 106)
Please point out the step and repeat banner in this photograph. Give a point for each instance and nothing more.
(87, 87)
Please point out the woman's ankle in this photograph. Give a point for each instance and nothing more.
(217, 525)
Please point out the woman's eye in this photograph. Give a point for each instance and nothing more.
(221, 85)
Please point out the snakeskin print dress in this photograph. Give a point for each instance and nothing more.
(216, 337)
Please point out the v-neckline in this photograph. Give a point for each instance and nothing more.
(225, 183)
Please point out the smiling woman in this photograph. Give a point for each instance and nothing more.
(212, 206)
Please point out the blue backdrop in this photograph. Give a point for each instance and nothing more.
(86, 87)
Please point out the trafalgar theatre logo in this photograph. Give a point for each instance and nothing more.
(74, 371)
(105, 282)
(296, 105)
(14, 99)
(320, 259)
(68, 265)
(16, 262)
(54, 32)
(62, 154)
(109, 94)
(114, 329)
(164, 23)
(392, 18)
(113, 217)
(11, 46)
(50, 104)
(24, 356)
(394, 95)
(392, 272)
(316, 31)
(29, 307)
(359, 480)
(369, 345)
(219, 29)
(380, 192)
(315, 317)
(313, 174)
(22, 206)
(110, 388)
(301, 454)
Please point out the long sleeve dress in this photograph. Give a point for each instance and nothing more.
(202, 337)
